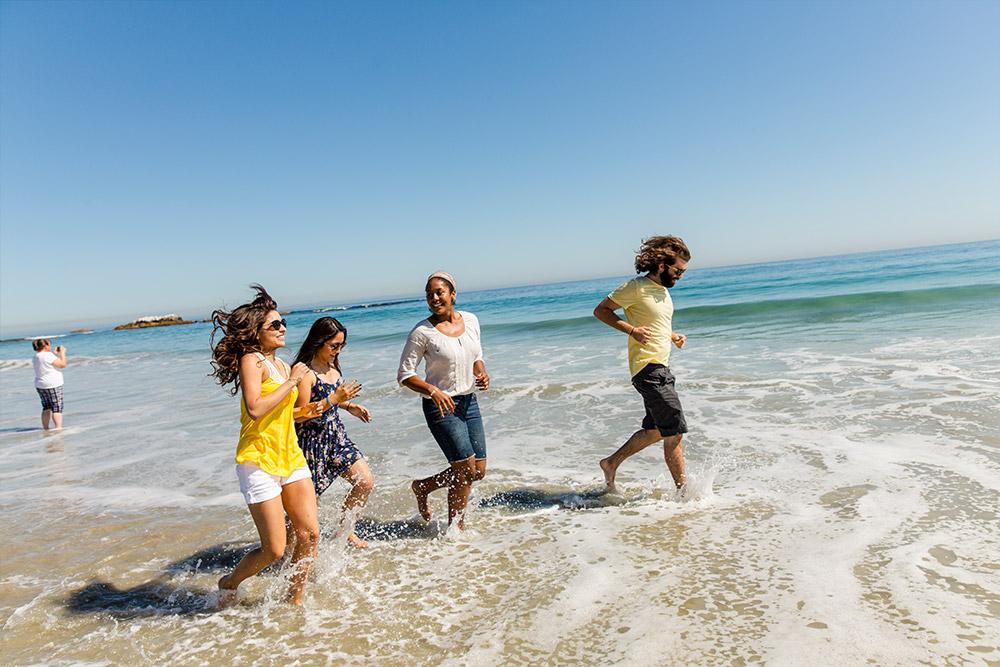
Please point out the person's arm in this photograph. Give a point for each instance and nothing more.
(605, 312)
(445, 404)
(304, 409)
(60, 360)
(358, 410)
(482, 378)
(413, 354)
(479, 365)
(251, 378)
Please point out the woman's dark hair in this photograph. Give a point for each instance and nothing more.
(39, 344)
(320, 332)
(240, 329)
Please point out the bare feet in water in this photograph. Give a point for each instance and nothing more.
(609, 475)
(421, 495)
(227, 595)
(356, 541)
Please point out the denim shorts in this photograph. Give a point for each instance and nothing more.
(655, 383)
(459, 434)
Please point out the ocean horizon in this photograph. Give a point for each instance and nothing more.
(63, 328)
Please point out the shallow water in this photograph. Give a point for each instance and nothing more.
(844, 454)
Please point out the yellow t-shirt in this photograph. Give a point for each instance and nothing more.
(270, 442)
(646, 304)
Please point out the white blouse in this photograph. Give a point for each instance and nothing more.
(448, 359)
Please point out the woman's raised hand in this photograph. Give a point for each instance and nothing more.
(299, 371)
(347, 391)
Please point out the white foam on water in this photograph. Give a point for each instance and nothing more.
(839, 509)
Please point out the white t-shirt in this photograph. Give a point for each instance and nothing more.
(47, 376)
(448, 359)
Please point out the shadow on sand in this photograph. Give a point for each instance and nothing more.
(221, 558)
(154, 598)
(158, 597)
(405, 529)
(530, 500)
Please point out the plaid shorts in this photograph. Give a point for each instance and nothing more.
(52, 399)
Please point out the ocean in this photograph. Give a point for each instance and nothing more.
(843, 506)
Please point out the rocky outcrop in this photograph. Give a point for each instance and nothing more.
(154, 321)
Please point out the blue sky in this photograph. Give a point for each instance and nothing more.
(158, 157)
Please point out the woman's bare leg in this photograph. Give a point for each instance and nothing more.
(46, 416)
(423, 487)
(463, 474)
(299, 500)
(458, 479)
(362, 483)
(269, 517)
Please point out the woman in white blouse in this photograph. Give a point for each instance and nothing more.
(448, 343)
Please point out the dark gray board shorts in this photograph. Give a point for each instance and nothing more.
(655, 383)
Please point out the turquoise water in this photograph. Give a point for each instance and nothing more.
(790, 298)
(844, 458)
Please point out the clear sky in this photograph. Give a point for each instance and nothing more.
(158, 157)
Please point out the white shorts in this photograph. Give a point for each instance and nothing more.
(257, 485)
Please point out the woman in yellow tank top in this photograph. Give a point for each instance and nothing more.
(274, 478)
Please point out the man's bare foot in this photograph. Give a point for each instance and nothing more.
(422, 507)
(356, 541)
(609, 474)
(227, 595)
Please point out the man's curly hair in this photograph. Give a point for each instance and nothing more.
(658, 249)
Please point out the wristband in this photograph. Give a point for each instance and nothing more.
(433, 391)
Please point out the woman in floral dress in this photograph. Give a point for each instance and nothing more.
(328, 450)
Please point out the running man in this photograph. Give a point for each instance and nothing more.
(648, 319)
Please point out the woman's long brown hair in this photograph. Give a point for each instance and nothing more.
(240, 329)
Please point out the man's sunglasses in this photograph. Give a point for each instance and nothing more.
(677, 272)
(276, 325)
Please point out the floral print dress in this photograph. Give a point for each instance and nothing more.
(328, 450)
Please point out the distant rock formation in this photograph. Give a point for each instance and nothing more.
(154, 321)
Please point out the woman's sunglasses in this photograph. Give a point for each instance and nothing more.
(336, 347)
(276, 325)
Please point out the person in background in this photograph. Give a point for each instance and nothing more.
(449, 343)
(648, 324)
(323, 438)
(49, 380)
(271, 469)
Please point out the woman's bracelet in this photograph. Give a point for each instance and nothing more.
(433, 391)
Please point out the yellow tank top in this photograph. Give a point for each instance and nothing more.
(270, 442)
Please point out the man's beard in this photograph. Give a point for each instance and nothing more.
(666, 278)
